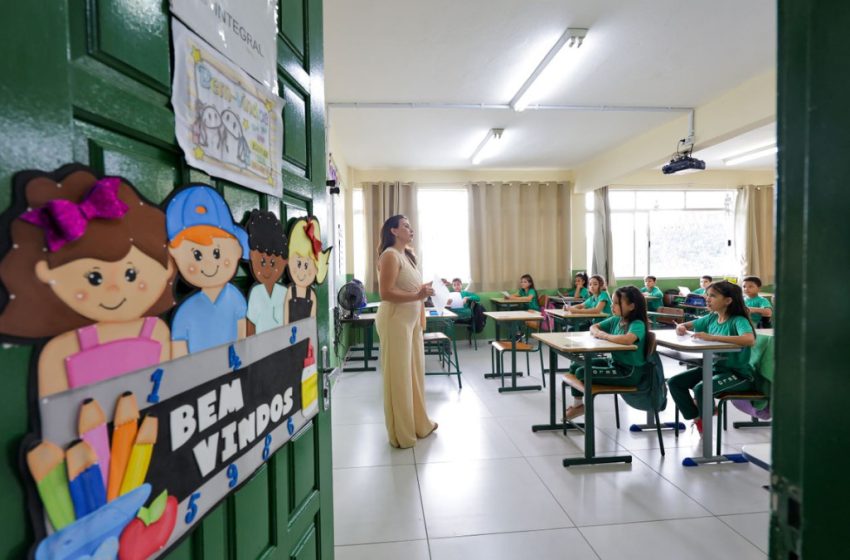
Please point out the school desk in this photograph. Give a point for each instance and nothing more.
(564, 316)
(505, 304)
(513, 320)
(444, 321)
(365, 322)
(578, 346)
(758, 454)
(566, 301)
(686, 343)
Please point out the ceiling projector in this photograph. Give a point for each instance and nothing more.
(683, 162)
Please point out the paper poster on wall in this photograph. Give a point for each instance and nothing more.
(243, 30)
(131, 447)
(227, 124)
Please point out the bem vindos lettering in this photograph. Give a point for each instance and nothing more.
(213, 407)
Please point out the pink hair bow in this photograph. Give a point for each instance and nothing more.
(64, 221)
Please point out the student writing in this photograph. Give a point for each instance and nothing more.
(728, 321)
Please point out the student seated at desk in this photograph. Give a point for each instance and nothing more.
(579, 288)
(650, 289)
(704, 283)
(462, 305)
(729, 322)
(526, 293)
(598, 302)
(629, 325)
(759, 307)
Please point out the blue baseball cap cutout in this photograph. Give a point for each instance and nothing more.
(201, 205)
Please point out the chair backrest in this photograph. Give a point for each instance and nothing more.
(671, 311)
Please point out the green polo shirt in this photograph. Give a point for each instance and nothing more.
(614, 325)
(699, 291)
(592, 301)
(583, 293)
(757, 301)
(653, 304)
(533, 303)
(735, 326)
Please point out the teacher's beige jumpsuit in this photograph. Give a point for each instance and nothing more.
(402, 357)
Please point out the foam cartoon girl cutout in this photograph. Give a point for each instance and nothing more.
(308, 265)
(207, 246)
(269, 249)
(88, 266)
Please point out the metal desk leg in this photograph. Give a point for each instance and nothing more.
(707, 414)
(650, 424)
(367, 351)
(590, 457)
(553, 399)
(512, 331)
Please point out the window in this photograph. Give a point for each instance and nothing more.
(442, 228)
(443, 231)
(359, 241)
(672, 233)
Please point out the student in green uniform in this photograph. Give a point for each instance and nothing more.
(704, 283)
(579, 288)
(462, 308)
(758, 306)
(650, 289)
(598, 302)
(628, 326)
(728, 321)
(527, 292)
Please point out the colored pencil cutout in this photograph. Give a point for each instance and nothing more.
(125, 425)
(46, 462)
(92, 428)
(140, 456)
(84, 480)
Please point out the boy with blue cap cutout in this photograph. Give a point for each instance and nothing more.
(206, 245)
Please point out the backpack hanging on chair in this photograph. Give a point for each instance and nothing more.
(652, 390)
(479, 320)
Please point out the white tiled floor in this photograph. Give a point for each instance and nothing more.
(484, 486)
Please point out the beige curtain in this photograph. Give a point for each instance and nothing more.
(519, 228)
(755, 226)
(380, 201)
(602, 262)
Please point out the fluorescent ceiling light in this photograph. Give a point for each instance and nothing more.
(572, 37)
(485, 148)
(751, 155)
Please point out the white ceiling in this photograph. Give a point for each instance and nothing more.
(745, 143)
(637, 52)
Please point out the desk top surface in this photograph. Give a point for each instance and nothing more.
(566, 314)
(668, 315)
(431, 313)
(687, 343)
(580, 342)
(504, 300)
(514, 315)
(568, 299)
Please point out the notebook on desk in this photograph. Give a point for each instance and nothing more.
(684, 290)
(506, 294)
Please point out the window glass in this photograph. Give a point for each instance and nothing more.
(621, 200)
(443, 231)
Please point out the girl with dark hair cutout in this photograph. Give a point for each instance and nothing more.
(268, 258)
(728, 321)
(88, 266)
(629, 325)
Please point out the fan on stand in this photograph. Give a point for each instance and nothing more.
(352, 298)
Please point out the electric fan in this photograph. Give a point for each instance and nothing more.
(351, 297)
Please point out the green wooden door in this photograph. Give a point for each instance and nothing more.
(89, 81)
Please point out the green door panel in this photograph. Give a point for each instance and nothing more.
(132, 36)
(254, 516)
(97, 91)
(292, 24)
(295, 131)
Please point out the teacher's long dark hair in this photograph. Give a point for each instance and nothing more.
(388, 238)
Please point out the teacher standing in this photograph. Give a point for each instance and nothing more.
(400, 321)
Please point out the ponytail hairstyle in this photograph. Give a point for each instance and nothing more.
(602, 286)
(583, 276)
(635, 297)
(388, 237)
(737, 307)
